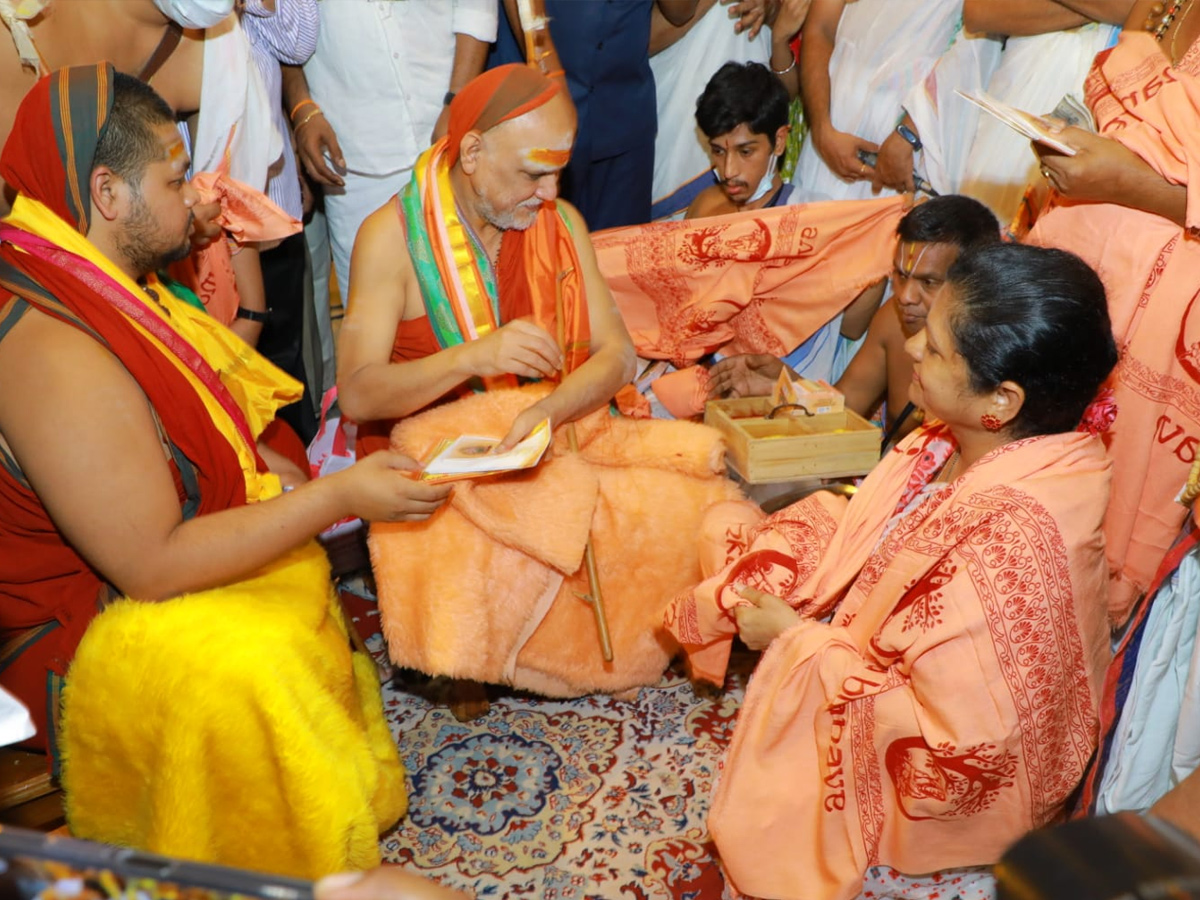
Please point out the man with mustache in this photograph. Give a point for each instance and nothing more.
(454, 281)
(165, 612)
(743, 113)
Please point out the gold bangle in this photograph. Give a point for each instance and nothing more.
(304, 121)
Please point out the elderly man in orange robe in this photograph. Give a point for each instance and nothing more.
(476, 277)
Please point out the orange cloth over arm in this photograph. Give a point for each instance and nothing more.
(752, 282)
(950, 705)
(1148, 265)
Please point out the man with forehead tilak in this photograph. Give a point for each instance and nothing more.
(161, 596)
(929, 239)
(455, 283)
(476, 301)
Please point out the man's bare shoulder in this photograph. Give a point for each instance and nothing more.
(885, 328)
(179, 80)
(381, 269)
(57, 363)
(381, 241)
(573, 216)
(40, 342)
(709, 202)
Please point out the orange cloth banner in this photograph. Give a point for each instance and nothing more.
(1149, 266)
(753, 282)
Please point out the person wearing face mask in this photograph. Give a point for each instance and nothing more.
(743, 113)
(184, 49)
(160, 41)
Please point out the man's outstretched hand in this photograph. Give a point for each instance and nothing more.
(744, 375)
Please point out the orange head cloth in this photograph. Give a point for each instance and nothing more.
(496, 96)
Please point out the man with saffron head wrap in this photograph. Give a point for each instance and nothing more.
(476, 277)
(489, 250)
(213, 708)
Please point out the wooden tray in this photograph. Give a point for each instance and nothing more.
(762, 450)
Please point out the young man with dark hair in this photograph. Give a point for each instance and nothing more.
(929, 239)
(744, 114)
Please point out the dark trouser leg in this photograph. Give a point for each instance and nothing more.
(284, 271)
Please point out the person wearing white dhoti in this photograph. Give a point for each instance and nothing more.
(859, 60)
(969, 153)
(681, 165)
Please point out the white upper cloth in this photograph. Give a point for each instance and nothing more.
(681, 73)
(945, 121)
(233, 101)
(282, 33)
(882, 50)
(382, 68)
(1034, 74)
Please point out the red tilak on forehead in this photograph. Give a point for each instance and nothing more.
(557, 158)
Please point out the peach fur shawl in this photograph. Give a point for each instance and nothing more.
(950, 704)
(486, 588)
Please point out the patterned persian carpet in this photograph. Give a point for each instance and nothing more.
(561, 799)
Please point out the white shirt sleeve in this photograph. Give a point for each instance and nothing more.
(477, 18)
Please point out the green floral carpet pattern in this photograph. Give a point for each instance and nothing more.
(563, 800)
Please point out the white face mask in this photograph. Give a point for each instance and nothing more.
(195, 13)
(764, 183)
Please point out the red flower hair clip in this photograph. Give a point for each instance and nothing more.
(1100, 414)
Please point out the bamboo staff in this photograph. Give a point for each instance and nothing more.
(594, 597)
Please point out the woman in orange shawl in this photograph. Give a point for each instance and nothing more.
(1124, 202)
(949, 704)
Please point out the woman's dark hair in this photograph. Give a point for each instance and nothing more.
(740, 93)
(1036, 317)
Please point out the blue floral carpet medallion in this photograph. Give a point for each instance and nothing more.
(563, 799)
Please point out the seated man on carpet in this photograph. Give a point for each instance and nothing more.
(744, 114)
(930, 237)
(445, 315)
(167, 615)
(950, 703)
(476, 277)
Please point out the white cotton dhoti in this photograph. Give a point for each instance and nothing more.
(681, 72)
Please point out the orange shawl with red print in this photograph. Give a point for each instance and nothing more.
(950, 704)
(1151, 270)
(750, 282)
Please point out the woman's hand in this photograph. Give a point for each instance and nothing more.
(761, 623)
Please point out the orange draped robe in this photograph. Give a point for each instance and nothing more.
(950, 704)
(1151, 270)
